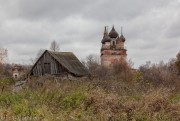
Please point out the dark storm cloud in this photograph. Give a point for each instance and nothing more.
(151, 27)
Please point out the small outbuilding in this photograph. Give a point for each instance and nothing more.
(17, 71)
(58, 63)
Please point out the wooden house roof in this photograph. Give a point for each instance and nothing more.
(69, 61)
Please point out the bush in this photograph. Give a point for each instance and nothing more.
(6, 81)
(73, 100)
(177, 63)
(160, 74)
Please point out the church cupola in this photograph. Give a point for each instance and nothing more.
(122, 38)
(113, 33)
(106, 37)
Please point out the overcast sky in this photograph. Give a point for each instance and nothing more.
(151, 27)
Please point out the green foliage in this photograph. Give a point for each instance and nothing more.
(138, 77)
(175, 99)
(141, 117)
(24, 109)
(6, 81)
(73, 100)
(5, 100)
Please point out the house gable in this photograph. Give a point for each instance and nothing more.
(57, 63)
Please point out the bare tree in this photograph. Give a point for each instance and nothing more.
(3, 55)
(177, 63)
(92, 61)
(40, 52)
(54, 46)
(3, 64)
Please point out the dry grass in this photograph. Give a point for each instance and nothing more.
(90, 100)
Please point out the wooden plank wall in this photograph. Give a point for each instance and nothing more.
(55, 67)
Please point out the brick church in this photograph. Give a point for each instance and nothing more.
(112, 50)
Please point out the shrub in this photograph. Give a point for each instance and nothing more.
(177, 63)
(6, 81)
(73, 100)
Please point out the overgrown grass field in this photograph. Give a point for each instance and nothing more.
(89, 100)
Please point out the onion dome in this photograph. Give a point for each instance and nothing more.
(122, 38)
(106, 39)
(113, 33)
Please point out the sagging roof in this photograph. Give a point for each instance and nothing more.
(69, 61)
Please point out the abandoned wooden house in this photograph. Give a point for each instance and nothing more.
(58, 63)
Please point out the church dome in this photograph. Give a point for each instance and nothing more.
(113, 33)
(122, 38)
(105, 39)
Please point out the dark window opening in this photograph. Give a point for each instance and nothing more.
(47, 68)
(113, 43)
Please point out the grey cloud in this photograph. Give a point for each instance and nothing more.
(151, 27)
(120, 10)
(101, 9)
(44, 9)
(174, 30)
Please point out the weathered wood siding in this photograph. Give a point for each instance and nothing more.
(47, 65)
